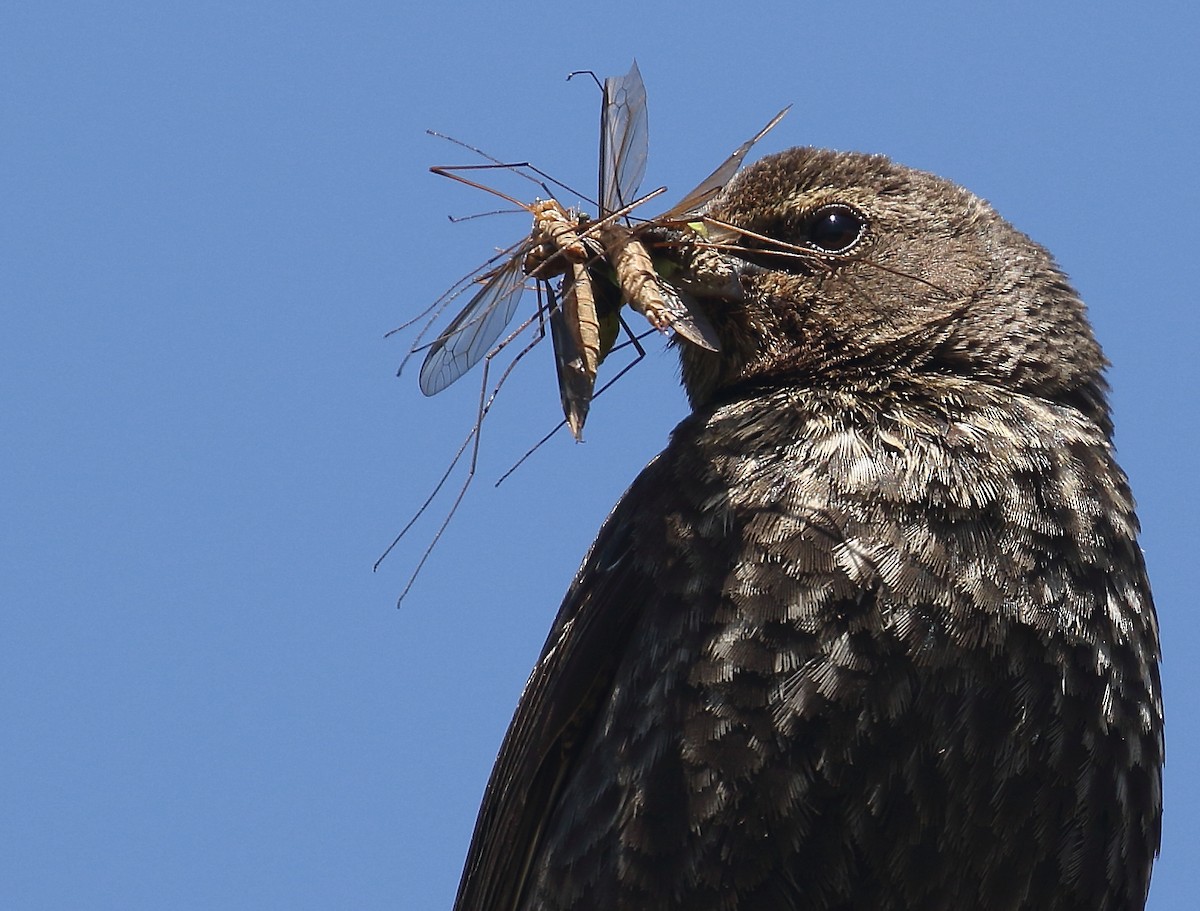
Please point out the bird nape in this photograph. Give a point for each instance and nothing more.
(874, 630)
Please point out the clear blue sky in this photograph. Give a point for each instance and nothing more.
(210, 215)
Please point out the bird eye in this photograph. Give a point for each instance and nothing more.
(831, 230)
(835, 229)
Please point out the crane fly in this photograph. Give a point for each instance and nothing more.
(599, 265)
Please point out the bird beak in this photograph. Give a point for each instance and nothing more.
(692, 261)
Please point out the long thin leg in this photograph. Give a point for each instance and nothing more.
(472, 440)
(634, 340)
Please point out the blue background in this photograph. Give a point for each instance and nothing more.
(210, 213)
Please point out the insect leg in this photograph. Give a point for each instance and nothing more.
(471, 440)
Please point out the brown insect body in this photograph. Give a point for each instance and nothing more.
(603, 263)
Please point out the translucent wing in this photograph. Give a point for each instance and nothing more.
(576, 385)
(688, 319)
(715, 182)
(475, 330)
(624, 140)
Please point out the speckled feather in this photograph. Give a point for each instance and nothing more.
(874, 630)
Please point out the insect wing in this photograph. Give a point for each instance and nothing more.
(575, 385)
(688, 319)
(624, 140)
(473, 332)
(715, 182)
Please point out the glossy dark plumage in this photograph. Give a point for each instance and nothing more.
(874, 630)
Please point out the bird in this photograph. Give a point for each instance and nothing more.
(874, 630)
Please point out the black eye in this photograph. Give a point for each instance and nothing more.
(835, 229)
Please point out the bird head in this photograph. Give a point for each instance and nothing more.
(822, 267)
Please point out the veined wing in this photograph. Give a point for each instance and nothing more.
(624, 140)
(694, 201)
(473, 332)
(572, 333)
(688, 319)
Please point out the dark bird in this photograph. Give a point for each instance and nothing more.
(874, 630)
